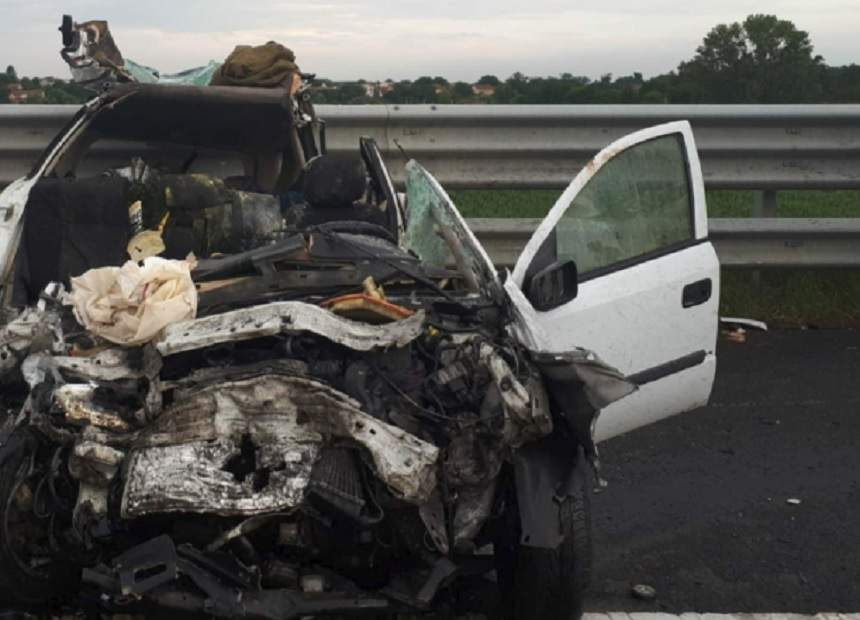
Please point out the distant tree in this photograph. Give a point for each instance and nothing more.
(841, 84)
(66, 94)
(353, 92)
(489, 79)
(11, 73)
(461, 91)
(659, 89)
(422, 90)
(762, 60)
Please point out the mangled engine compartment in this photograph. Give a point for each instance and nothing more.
(246, 457)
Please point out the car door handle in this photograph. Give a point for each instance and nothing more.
(697, 293)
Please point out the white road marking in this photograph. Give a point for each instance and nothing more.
(623, 615)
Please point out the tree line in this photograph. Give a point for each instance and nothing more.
(762, 59)
(40, 90)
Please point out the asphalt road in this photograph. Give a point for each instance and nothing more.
(697, 507)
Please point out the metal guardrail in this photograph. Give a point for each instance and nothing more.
(542, 146)
(741, 147)
(740, 242)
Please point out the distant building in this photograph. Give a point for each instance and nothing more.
(484, 90)
(18, 94)
(378, 89)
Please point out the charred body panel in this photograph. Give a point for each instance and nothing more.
(305, 426)
(183, 462)
(330, 427)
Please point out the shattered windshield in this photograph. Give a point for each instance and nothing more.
(437, 233)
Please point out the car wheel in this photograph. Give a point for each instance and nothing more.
(29, 576)
(549, 584)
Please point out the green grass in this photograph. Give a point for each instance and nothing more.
(822, 298)
(795, 297)
(536, 203)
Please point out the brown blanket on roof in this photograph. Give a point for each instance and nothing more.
(266, 66)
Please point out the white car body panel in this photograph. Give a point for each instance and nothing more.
(633, 316)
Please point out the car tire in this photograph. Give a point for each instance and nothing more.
(550, 584)
(18, 586)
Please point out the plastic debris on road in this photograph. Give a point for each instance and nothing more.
(643, 592)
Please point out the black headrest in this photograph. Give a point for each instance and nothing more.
(334, 181)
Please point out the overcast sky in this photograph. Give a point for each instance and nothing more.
(458, 39)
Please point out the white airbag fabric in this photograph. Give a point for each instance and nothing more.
(130, 305)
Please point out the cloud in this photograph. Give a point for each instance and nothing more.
(347, 39)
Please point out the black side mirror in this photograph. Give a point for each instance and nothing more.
(553, 286)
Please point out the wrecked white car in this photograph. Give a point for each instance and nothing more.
(349, 411)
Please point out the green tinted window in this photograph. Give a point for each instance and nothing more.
(639, 202)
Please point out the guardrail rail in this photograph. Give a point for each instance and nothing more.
(766, 148)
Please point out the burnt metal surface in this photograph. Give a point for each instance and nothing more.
(187, 460)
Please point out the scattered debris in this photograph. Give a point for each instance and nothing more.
(643, 592)
(736, 322)
(738, 334)
(793, 501)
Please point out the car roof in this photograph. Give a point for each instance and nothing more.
(218, 117)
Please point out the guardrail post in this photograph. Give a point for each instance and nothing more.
(764, 206)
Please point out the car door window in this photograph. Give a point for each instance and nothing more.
(637, 205)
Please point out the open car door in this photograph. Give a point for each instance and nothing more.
(644, 291)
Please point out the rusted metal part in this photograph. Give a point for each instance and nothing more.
(369, 306)
(76, 400)
(183, 461)
(279, 317)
